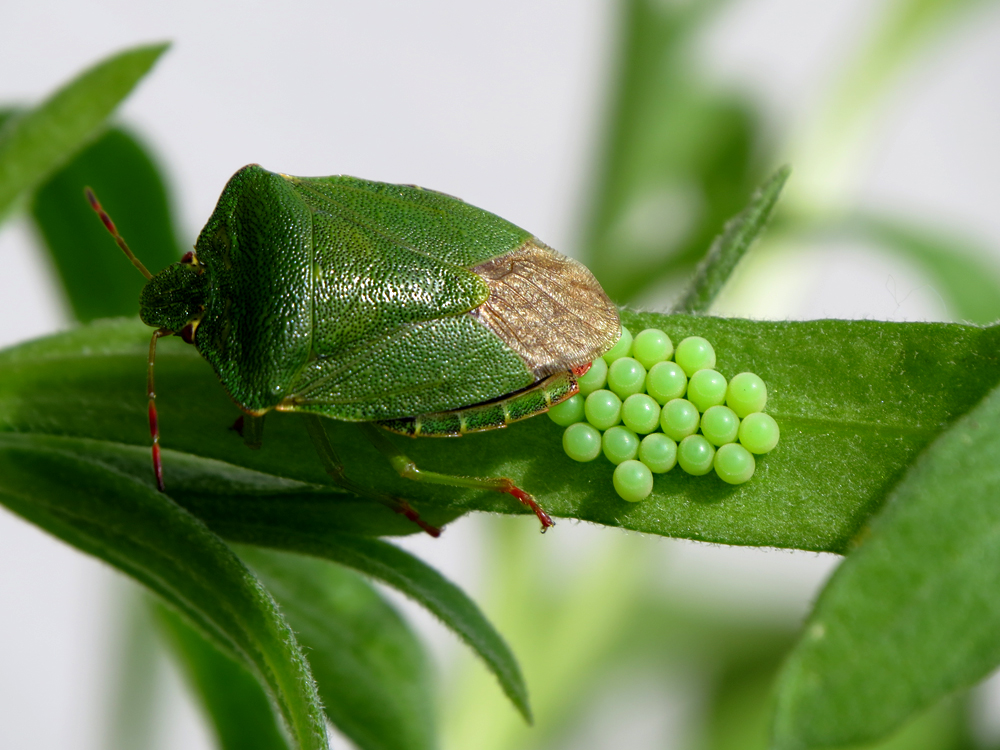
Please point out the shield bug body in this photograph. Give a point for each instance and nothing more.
(380, 304)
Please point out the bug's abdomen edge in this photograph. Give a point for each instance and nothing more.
(491, 415)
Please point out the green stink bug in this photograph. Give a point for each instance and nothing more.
(379, 304)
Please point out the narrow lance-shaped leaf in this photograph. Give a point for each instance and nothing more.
(235, 702)
(391, 565)
(370, 668)
(126, 179)
(143, 533)
(38, 141)
(856, 402)
(912, 614)
(729, 247)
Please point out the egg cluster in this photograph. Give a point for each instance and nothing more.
(644, 400)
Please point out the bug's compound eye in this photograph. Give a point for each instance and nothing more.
(190, 259)
(187, 332)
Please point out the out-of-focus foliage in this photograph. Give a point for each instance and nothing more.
(679, 159)
(128, 183)
(36, 142)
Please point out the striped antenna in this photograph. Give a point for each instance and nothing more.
(110, 226)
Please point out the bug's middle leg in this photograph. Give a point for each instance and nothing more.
(406, 468)
(335, 468)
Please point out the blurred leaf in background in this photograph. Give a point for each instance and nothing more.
(679, 158)
(91, 269)
(35, 142)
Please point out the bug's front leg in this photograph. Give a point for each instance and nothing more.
(408, 469)
(335, 468)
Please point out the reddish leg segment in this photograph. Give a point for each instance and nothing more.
(154, 422)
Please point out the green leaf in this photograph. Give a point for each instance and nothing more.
(143, 533)
(729, 247)
(370, 669)
(678, 159)
(417, 580)
(235, 702)
(35, 143)
(737, 715)
(856, 402)
(740, 703)
(97, 278)
(912, 615)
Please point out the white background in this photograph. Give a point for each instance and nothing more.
(500, 104)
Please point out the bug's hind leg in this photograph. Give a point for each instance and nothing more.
(335, 468)
(409, 470)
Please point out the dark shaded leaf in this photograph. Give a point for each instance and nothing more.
(912, 614)
(369, 667)
(142, 532)
(35, 143)
(98, 279)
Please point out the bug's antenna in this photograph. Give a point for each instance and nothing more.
(110, 226)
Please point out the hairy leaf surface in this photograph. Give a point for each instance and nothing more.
(856, 402)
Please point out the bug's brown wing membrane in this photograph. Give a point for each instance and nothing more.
(548, 308)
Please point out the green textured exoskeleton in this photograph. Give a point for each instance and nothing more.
(370, 302)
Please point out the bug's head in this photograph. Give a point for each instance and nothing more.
(172, 298)
(175, 296)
